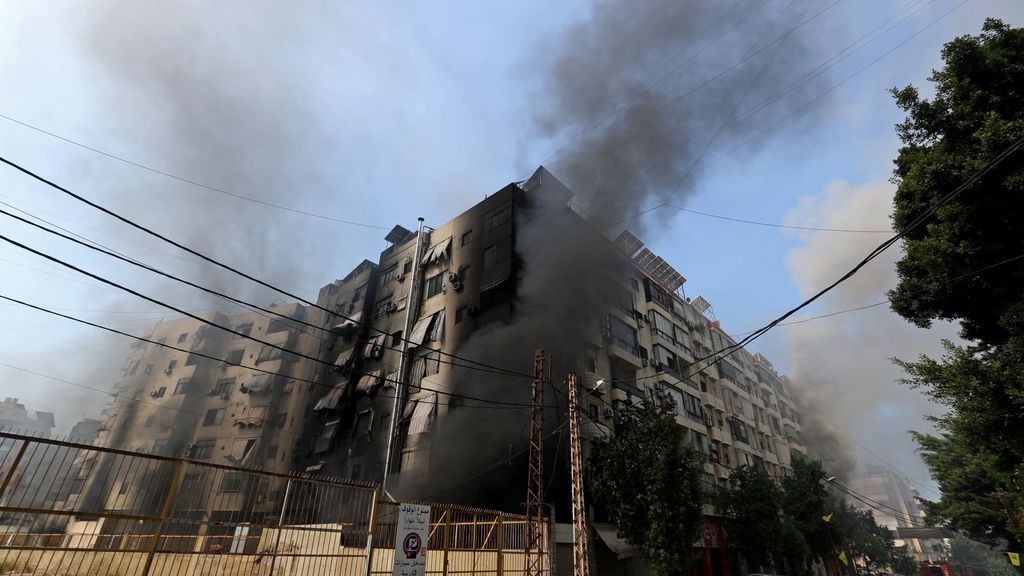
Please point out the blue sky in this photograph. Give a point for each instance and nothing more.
(382, 112)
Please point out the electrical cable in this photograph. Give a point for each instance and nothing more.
(499, 403)
(188, 180)
(769, 224)
(226, 266)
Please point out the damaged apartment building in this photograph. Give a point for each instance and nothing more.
(394, 351)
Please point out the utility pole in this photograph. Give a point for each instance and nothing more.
(535, 486)
(580, 559)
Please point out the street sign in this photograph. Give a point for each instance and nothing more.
(411, 540)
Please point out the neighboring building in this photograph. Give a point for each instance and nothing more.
(14, 417)
(893, 502)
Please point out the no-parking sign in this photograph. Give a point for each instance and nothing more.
(411, 540)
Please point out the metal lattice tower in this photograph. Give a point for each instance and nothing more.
(580, 562)
(535, 487)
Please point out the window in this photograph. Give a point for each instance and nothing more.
(497, 217)
(232, 482)
(224, 387)
(634, 284)
(591, 363)
(623, 334)
(466, 238)
(497, 253)
(159, 392)
(657, 294)
(191, 482)
(203, 449)
(504, 291)
(182, 337)
(382, 309)
(666, 360)
(149, 422)
(149, 369)
(358, 293)
(396, 338)
(700, 442)
(682, 338)
(663, 326)
(171, 365)
(729, 372)
(434, 285)
(278, 325)
(460, 314)
(214, 417)
(390, 275)
(243, 331)
(184, 386)
(691, 407)
(407, 267)
(160, 447)
(235, 357)
(593, 410)
(739, 430)
(134, 369)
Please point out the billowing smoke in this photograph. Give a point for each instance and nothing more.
(644, 93)
(841, 363)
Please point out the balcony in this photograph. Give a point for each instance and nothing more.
(624, 351)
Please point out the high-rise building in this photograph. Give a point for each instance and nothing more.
(893, 502)
(423, 362)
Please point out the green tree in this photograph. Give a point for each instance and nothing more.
(753, 521)
(984, 560)
(960, 266)
(647, 480)
(805, 501)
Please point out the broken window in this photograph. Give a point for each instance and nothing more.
(326, 437)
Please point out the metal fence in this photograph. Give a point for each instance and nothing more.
(72, 509)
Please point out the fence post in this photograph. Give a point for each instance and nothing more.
(446, 541)
(14, 467)
(368, 569)
(501, 544)
(168, 501)
(280, 523)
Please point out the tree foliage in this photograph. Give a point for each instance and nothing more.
(961, 266)
(779, 526)
(647, 481)
(982, 559)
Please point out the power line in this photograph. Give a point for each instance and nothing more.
(385, 379)
(232, 269)
(720, 217)
(189, 180)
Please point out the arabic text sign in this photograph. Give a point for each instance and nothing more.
(411, 540)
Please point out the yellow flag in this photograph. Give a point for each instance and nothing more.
(1014, 558)
(827, 517)
(842, 556)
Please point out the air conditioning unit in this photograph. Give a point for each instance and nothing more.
(400, 278)
(167, 370)
(455, 281)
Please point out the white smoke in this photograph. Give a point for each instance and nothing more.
(842, 363)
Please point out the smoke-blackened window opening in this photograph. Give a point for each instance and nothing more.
(460, 314)
(497, 217)
(184, 386)
(383, 308)
(466, 237)
(280, 325)
(497, 294)
(193, 359)
(243, 329)
(234, 357)
(497, 254)
(407, 266)
(325, 440)
(358, 294)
